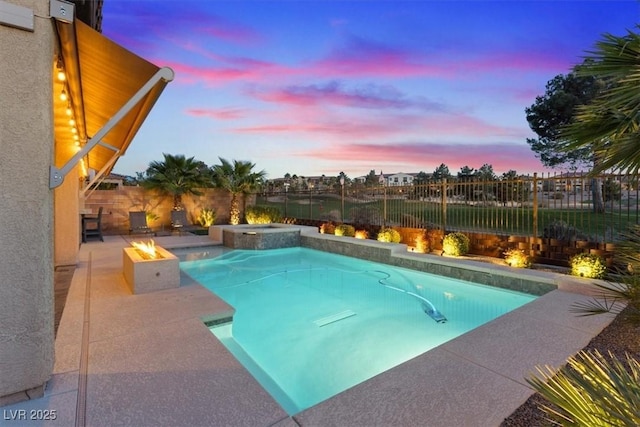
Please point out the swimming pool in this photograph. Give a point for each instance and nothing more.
(310, 324)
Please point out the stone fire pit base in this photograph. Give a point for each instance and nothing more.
(149, 275)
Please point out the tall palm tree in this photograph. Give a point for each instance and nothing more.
(611, 122)
(237, 177)
(177, 176)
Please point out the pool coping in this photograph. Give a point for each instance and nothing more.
(150, 360)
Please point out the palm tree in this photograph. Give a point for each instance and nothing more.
(236, 177)
(611, 122)
(177, 176)
(595, 390)
(592, 390)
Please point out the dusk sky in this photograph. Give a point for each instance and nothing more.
(320, 87)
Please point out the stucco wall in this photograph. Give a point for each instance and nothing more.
(67, 220)
(26, 211)
(117, 204)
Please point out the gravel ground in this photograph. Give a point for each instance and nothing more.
(619, 338)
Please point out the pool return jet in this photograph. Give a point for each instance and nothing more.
(427, 306)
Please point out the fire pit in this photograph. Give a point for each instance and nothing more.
(149, 268)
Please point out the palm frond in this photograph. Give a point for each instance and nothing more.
(591, 391)
(610, 124)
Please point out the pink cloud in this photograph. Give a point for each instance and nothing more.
(365, 58)
(427, 156)
(528, 60)
(363, 130)
(323, 123)
(242, 69)
(355, 58)
(369, 96)
(220, 114)
(228, 31)
(464, 125)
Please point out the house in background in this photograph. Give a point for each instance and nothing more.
(399, 179)
(72, 102)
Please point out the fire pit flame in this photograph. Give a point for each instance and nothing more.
(146, 249)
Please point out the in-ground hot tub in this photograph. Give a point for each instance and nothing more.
(256, 236)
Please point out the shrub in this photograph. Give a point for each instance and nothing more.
(557, 195)
(332, 215)
(365, 215)
(389, 235)
(362, 234)
(611, 190)
(560, 230)
(455, 244)
(588, 265)
(422, 243)
(262, 214)
(207, 217)
(327, 228)
(517, 258)
(151, 216)
(345, 230)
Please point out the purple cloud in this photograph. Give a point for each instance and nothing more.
(360, 57)
(368, 96)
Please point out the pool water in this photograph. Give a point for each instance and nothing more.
(310, 324)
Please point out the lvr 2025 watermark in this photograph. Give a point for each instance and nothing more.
(29, 414)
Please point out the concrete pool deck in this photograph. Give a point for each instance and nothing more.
(148, 360)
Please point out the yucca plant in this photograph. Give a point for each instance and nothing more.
(207, 217)
(591, 391)
(262, 214)
(517, 258)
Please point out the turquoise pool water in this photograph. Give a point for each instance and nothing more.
(310, 324)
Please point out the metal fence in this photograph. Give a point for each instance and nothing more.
(560, 206)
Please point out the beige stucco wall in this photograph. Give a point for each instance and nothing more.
(26, 211)
(67, 220)
(116, 205)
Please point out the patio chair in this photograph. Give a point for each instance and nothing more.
(92, 226)
(179, 221)
(138, 223)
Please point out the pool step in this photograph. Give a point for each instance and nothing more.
(334, 318)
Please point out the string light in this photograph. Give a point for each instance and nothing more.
(64, 97)
(61, 76)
